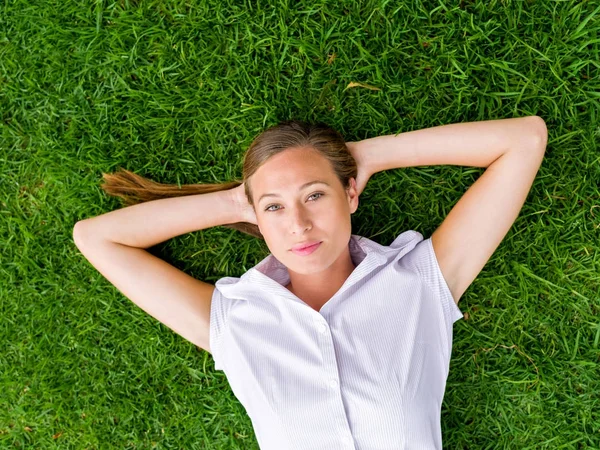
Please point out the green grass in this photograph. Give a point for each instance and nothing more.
(176, 92)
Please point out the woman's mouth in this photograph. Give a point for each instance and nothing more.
(307, 250)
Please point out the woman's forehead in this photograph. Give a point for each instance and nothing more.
(291, 169)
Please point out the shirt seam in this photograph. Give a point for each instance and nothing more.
(445, 286)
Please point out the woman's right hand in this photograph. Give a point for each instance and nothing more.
(245, 210)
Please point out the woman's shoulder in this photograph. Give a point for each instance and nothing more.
(407, 238)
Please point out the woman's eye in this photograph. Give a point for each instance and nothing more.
(320, 194)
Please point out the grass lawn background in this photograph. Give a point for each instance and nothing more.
(176, 91)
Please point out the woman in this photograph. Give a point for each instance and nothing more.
(345, 344)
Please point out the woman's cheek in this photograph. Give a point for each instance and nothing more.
(273, 223)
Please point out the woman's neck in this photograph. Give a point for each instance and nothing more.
(316, 289)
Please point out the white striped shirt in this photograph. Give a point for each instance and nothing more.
(368, 371)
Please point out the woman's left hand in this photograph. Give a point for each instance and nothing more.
(364, 172)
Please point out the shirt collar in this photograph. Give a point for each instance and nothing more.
(361, 249)
(269, 277)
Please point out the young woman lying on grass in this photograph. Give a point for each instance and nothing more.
(332, 341)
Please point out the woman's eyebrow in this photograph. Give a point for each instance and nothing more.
(304, 186)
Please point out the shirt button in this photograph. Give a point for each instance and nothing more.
(322, 328)
(333, 383)
(347, 440)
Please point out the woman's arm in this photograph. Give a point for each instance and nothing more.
(511, 149)
(147, 224)
(476, 144)
(114, 244)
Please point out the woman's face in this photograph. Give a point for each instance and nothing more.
(295, 214)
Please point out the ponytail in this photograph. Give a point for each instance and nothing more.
(133, 189)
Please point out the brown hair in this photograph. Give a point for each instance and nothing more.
(132, 188)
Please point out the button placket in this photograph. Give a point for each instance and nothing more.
(321, 326)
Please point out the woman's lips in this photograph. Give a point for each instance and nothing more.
(307, 250)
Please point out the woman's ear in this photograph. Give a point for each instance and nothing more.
(352, 195)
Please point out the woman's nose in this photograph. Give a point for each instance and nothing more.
(300, 220)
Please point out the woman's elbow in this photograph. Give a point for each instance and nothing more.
(540, 132)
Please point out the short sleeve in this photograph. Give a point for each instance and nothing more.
(219, 312)
(423, 259)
